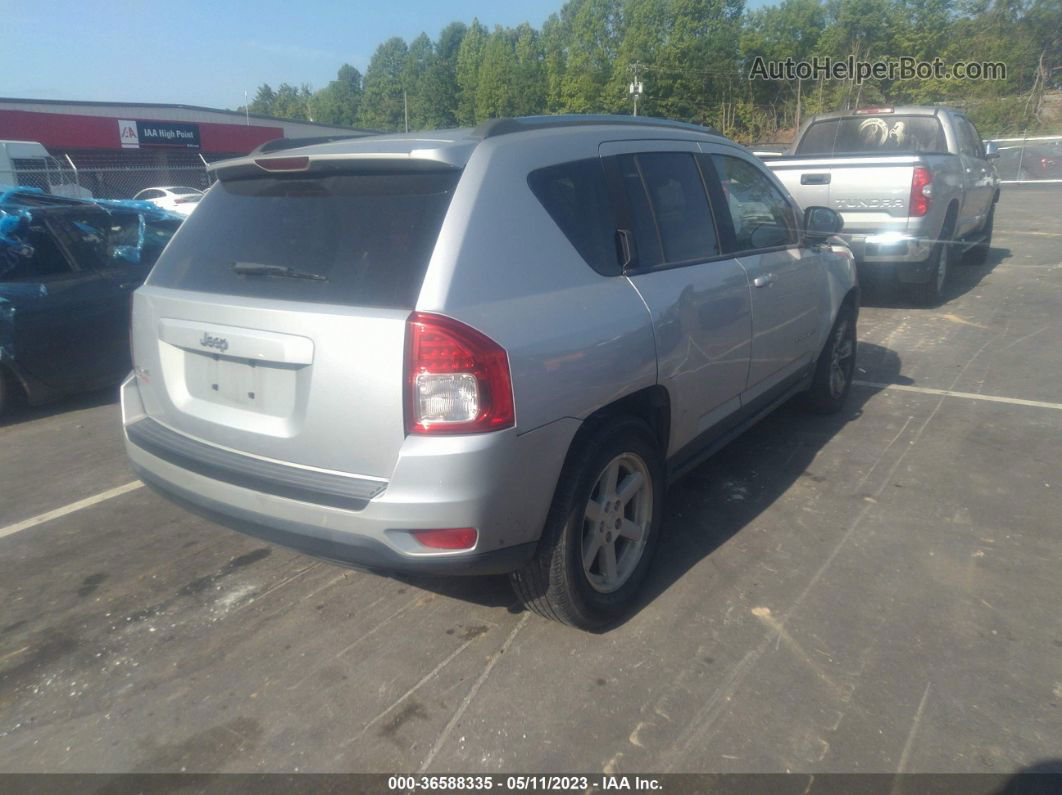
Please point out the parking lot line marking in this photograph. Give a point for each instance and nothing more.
(25, 524)
(440, 741)
(1028, 232)
(925, 390)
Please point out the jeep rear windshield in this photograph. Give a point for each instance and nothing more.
(872, 135)
(355, 239)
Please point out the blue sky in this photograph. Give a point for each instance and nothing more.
(209, 53)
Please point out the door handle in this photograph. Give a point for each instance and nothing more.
(815, 179)
(766, 280)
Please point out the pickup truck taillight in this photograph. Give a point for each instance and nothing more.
(921, 190)
(457, 379)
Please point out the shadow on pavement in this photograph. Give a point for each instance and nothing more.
(1040, 778)
(86, 400)
(722, 496)
(964, 277)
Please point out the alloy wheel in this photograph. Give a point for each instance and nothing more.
(842, 356)
(616, 522)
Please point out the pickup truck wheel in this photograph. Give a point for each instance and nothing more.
(601, 532)
(832, 380)
(979, 253)
(7, 392)
(931, 293)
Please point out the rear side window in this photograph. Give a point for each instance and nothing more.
(671, 186)
(355, 239)
(762, 216)
(576, 197)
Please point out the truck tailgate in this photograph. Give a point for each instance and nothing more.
(871, 193)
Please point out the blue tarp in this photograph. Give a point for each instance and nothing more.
(16, 212)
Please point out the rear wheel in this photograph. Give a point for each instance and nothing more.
(7, 392)
(979, 253)
(601, 531)
(833, 372)
(931, 293)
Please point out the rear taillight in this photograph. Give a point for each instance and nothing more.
(921, 190)
(457, 379)
(452, 538)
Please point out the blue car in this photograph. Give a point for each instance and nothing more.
(67, 270)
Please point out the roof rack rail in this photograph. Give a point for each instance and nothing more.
(280, 144)
(496, 127)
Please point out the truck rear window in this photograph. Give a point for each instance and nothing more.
(873, 135)
(356, 239)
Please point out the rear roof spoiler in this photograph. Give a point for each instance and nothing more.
(280, 144)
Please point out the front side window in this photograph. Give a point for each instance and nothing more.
(761, 215)
(970, 139)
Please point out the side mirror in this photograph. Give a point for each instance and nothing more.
(991, 150)
(821, 223)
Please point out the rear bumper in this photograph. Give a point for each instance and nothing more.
(500, 483)
(348, 549)
(889, 247)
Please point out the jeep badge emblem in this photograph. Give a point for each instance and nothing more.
(220, 343)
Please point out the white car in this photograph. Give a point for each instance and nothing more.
(176, 199)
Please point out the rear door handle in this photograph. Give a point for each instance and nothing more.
(766, 280)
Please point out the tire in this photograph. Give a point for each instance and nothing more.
(979, 253)
(571, 578)
(931, 293)
(832, 380)
(7, 392)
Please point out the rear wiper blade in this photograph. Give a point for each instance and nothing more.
(260, 269)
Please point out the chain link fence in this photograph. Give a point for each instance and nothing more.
(106, 176)
(118, 176)
(1033, 158)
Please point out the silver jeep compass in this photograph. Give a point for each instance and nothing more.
(483, 350)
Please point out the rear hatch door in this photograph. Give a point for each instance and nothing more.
(274, 322)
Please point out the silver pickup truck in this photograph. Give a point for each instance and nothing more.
(916, 186)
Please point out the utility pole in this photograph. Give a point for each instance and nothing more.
(405, 107)
(636, 89)
(246, 110)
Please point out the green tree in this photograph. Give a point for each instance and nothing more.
(415, 82)
(263, 101)
(439, 83)
(469, 57)
(529, 74)
(291, 102)
(495, 89)
(382, 107)
(593, 43)
(338, 102)
(555, 54)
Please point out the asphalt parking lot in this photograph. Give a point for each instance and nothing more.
(877, 591)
